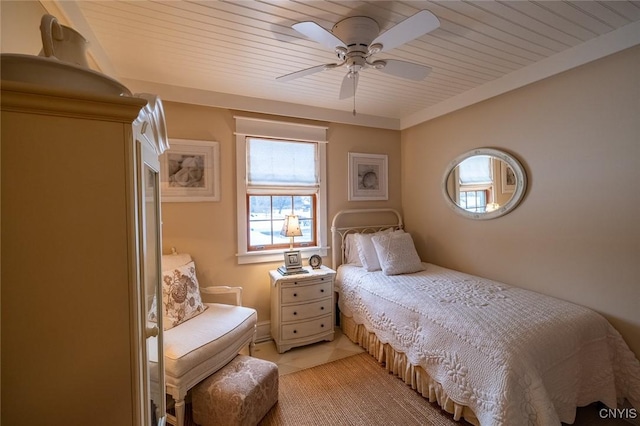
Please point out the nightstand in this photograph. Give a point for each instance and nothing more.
(301, 307)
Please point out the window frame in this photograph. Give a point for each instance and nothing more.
(247, 127)
(480, 208)
(296, 245)
(487, 187)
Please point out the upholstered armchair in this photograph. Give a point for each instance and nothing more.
(199, 337)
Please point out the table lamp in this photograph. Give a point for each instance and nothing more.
(292, 259)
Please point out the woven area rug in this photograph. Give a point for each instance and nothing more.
(351, 391)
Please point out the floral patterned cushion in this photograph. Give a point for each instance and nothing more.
(181, 298)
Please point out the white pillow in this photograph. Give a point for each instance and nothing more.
(181, 298)
(351, 255)
(367, 252)
(397, 253)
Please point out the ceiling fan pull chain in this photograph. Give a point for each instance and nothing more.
(354, 96)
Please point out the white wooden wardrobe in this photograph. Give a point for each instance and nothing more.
(80, 257)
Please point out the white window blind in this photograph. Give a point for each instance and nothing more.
(476, 170)
(276, 163)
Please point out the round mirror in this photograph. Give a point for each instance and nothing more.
(484, 183)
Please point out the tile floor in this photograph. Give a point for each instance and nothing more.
(341, 347)
(307, 356)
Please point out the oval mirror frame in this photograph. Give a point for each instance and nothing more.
(518, 193)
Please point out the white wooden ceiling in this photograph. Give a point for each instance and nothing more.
(229, 53)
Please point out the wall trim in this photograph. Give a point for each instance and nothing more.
(263, 331)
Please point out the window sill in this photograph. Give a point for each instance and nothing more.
(264, 256)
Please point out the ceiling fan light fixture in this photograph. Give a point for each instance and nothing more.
(355, 63)
(379, 64)
(375, 48)
(356, 38)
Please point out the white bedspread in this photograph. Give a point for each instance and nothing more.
(513, 356)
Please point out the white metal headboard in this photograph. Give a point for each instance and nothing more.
(339, 233)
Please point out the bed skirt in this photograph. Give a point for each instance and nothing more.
(397, 363)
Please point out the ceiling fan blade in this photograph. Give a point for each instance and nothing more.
(407, 30)
(305, 72)
(318, 34)
(349, 85)
(404, 69)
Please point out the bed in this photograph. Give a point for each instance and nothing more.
(485, 351)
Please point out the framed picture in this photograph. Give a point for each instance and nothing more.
(507, 178)
(292, 259)
(190, 171)
(292, 263)
(368, 177)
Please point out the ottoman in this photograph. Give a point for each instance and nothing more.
(240, 393)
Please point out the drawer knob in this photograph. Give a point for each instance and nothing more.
(295, 331)
(295, 294)
(321, 308)
(295, 313)
(322, 290)
(321, 325)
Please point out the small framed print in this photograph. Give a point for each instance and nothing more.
(292, 263)
(292, 260)
(507, 178)
(190, 171)
(368, 177)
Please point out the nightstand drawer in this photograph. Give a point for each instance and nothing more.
(306, 292)
(307, 310)
(305, 281)
(307, 328)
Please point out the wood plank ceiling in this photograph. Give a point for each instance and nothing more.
(238, 48)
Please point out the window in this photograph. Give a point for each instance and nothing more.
(476, 183)
(473, 201)
(266, 217)
(280, 171)
(282, 179)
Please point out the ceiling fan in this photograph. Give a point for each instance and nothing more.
(356, 39)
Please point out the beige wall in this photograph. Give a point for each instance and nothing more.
(576, 235)
(208, 230)
(20, 24)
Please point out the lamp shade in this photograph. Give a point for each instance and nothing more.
(291, 227)
(491, 207)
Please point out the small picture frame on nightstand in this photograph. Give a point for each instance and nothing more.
(292, 263)
(292, 259)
